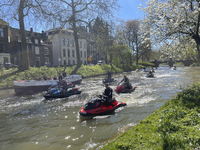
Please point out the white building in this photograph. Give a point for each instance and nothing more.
(4, 58)
(64, 49)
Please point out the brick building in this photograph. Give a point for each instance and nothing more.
(4, 42)
(40, 52)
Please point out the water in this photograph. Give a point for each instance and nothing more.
(31, 123)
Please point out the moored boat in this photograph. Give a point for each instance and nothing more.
(33, 86)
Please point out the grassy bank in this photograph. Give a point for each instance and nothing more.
(8, 76)
(174, 126)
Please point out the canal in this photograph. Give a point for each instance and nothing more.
(30, 123)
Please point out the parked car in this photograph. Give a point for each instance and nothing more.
(100, 62)
(49, 65)
(9, 65)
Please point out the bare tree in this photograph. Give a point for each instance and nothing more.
(19, 10)
(77, 13)
(132, 37)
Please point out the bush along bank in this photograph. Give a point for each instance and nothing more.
(8, 76)
(174, 126)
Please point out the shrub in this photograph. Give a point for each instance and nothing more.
(195, 64)
(146, 64)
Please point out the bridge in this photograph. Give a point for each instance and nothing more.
(171, 62)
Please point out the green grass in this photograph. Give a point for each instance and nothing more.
(195, 65)
(146, 64)
(164, 64)
(8, 76)
(178, 63)
(175, 126)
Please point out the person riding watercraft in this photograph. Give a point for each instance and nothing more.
(108, 79)
(60, 77)
(150, 74)
(108, 95)
(109, 75)
(126, 81)
(64, 74)
(97, 107)
(152, 70)
(64, 86)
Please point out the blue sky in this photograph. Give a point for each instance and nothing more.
(129, 9)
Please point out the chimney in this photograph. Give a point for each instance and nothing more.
(31, 29)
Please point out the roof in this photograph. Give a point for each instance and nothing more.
(2, 22)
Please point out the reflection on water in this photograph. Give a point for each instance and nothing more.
(29, 122)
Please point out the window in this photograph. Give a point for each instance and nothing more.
(1, 48)
(37, 61)
(46, 60)
(37, 51)
(80, 44)
(84, 45)
(72, 43)
(1, 32)
(68, 53)
(72, 53)
(46, 51)
(47, 33)
(85, 54)
(73, 62)
(81, 54)
(15, 60)
(64, 53)
(64, 62)
(67, 42)
(36, 41)
(5, 59)
(68, 62)
(63, 40)
(85, 62)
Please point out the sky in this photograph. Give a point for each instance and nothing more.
(129, 10)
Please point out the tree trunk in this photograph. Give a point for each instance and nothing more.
(25, 55)
(79, 63)
(198, 50)
(137, 50)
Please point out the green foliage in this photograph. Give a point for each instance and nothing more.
(8, 76)
(195, 64)
(146, 64)
(179, 63)
(121, 55)
(164, 64)
(174, 126)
